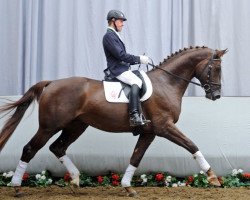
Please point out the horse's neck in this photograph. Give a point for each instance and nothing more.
(181, 64)
(178, 68)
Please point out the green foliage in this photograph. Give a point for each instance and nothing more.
(61, 183)
(236, 179)
(5, 178)
(86, 181)
(200, 180)
(231, 181)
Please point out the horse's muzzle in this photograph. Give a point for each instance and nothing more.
(213, 95)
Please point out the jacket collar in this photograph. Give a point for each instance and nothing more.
(112, 29)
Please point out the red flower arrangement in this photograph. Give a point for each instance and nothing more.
(25, 176)
(99, 179)
(67, 177)
(159, 177)
(246, 176)
(115, 179)
(115, 183)
(190, 180)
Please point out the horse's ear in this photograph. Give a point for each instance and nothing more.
(220, 53)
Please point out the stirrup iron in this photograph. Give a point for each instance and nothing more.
(138, 120)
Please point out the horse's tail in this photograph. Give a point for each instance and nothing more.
(21, 106)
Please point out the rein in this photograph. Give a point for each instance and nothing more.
(206, 86)
(174, 75)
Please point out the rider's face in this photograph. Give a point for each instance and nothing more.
(119, 24)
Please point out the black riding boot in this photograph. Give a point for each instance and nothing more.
(134, 109)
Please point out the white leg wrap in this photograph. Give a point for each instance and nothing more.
(201, 161)
(129, 173)
(18, 176)
(74, 172)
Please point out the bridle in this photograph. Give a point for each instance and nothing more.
(209, 83)
(207, 86)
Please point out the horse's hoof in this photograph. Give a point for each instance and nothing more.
(131, 192)
(74, 189)
(75, 182)
(18, 192)
(213, 180)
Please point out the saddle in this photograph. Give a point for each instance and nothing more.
(118, 92)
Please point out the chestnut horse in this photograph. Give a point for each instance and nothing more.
(71, 105)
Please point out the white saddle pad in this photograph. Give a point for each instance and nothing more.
(114, 94)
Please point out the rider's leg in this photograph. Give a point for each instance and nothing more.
(131, 79)
(135, 118)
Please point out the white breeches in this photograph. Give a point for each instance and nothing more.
(130, 78)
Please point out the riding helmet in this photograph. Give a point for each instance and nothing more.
(116, 14)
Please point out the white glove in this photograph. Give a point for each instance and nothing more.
(144, 60)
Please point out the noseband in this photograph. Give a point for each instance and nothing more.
(207, 85)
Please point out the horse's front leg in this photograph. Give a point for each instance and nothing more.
(171, 132)
(142, 144)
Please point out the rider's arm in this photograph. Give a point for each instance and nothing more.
(113, 45)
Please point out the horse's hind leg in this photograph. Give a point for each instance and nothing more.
(59, 147)
(142, 144)
(29, 151)
(171, 132)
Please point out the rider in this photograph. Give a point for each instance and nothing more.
(118, 64)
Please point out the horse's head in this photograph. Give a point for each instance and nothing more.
(208, 72)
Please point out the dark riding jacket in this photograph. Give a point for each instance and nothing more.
(118, 61)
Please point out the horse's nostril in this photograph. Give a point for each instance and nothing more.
(217, 96)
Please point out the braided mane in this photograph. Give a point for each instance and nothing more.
(179, 52)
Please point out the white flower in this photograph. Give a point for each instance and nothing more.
(43, 172)
(143, 176)
(234, 172)
(168, 179)
(240, 171)
(167, 184)
(4, 174)
(9, 174)
(180, 184)
(144, 180)
(49, 181)
(174, 185)
(201, 172)
(43, 177)
(9, 184)
(38, 176)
